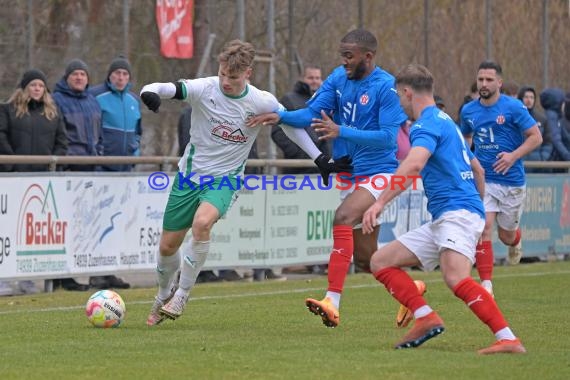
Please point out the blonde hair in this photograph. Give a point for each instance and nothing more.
(21, 100)
(237, 55)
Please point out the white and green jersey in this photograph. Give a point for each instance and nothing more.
(220, 141)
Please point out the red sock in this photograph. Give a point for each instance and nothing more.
(484, 260)
(518, 236)
(339, 261)
(481, 303)
(401, 286)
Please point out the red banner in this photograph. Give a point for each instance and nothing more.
(174, 20)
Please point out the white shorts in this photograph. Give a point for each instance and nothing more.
(507, 202)
(377, 184)
(458, 230)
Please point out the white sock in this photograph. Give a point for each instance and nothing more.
(422, 311)
(300, 137)
(505, 333)
(166, 267)
(192, 262)
(335, 298)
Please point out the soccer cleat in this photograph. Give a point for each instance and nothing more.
(325, 309)
(423, 329)
(175, 307)
(405, 315)
(154, 317)
(504, 346)
(515, 254)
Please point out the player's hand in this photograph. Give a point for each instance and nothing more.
(369, 220)
(326, 126)
(270, 118)
(504, 162)
(327, 166)
(151, 100)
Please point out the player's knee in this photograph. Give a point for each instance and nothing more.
(344, 217)
(201, 226)
(167, 247)
(377, 262)
(507, 237)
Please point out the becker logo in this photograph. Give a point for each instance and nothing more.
(39, 225)
(227, 133)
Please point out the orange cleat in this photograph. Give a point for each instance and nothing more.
(405, 315)
(424, 329)
(504, 346)
(325, 309)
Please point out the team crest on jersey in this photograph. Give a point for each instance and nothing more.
(500, 120)
(364, 99)
(228, 134)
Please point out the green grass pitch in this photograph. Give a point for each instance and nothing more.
(263, 331)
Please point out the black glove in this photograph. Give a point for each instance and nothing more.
(327, 166)
(151, 100)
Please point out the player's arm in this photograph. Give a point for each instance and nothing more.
(466, 128)
(152, 93)
(478, 176)
(390, 119)
(533, 139)
(408, 172)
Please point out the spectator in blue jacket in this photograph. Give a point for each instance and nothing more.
(81, 113)
(121, 114)
(551, 100)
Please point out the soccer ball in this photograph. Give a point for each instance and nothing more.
(105, 308)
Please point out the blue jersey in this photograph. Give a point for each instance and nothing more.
(369, 114)
(497, 128)
(447, 176)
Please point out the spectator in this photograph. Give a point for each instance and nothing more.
(527, 95)
(294, 100)
(31, 125)
(82, 116)
(121, 126)
(120, 113)
(81, 113)
(551, 100)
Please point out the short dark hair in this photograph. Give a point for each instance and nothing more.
(417, 76)
(311, 66)
(362, 38)
(491, 65)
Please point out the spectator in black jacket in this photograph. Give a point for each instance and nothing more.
(527, 95)
(30, 124)
(551, 100)
(296, 99)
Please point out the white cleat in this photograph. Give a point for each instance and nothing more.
(175, 307)
(515, 254)
(154, 317)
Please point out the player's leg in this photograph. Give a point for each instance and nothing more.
(194, 257)
(415, 248)
(364, 247)
(348, 214)
(178, 214)
(456, 262)
(484, 257)
(213, 204)
(508, 221)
